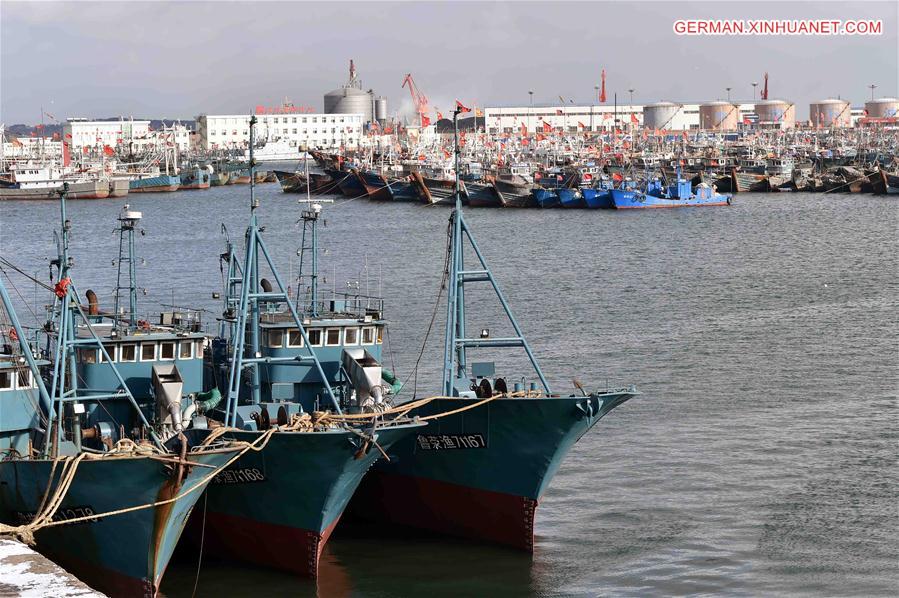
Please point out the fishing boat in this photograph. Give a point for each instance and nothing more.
(31, 181)
(194, 177)
(677, 195)
(480, 470)
(513, 184)
(482, 195)
(598, 196)
(102, 484)
(306, 377)
(118, 187)
(154, 183)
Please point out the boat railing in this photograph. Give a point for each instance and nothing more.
(354, 305)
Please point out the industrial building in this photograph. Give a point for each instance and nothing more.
(668, 116)
(319, 131)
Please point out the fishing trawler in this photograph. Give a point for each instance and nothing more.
(676, 195)
(101, 483)
(307, 378)
(483, 463)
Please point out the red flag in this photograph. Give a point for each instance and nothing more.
(634, 118)
(746, 121)
(439, 116)
(66, 157)
(524, 130)
(425, 121)
(547, 128)
(558, 113)
(581, 125)
(462, 107)
(68, 135)
(540, 137)
(602, 94)
(108, 150)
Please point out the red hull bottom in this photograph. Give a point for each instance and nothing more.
(448, 509)
(290, 549)
(192, 187)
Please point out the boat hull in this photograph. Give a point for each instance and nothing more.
(157, 184)
(277, 508)
(118, 187)
(120, 555)
(570, 198)
(597, 198)
(480, 473)
(627, 200)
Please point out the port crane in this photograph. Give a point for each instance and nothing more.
(419, 99)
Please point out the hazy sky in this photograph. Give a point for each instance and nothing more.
(180, 59)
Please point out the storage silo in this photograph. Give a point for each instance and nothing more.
(345, 100)
(882, 108)
(660, 115)
(381, 110)
(776, 113)
(718, 116)
(830, 113)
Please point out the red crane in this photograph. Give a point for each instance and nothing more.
(419, 99)
(765, 89)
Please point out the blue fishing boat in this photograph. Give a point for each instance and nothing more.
(99, 482)
(598, 195)
(154, 184)
(677, 195)
(571, 198)
(480, 469)
(306, 376)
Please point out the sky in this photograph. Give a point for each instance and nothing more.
(181, 59)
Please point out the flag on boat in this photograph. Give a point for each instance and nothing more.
(425, 121)
(581, 125)
(108, 150)
(546, 127)
(634, 118)
(461, 107)
(439, 116)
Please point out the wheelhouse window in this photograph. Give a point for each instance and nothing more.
(315, 337)
(167, 350)
(128, 353)
(380, 334)
(5, 380)
(275, 338)
(87, 355)
(295, 338)
(110, 350)
(186, 350)
(332, 337)
(368, 335)
(25, 380)
(351, 336)
(148, 352)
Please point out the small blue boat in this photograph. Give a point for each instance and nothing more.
(598, 196)
(657, 195)
(155, 184)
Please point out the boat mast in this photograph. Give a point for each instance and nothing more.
(65, 378)
(128, 221)
(246, 353)
(456, 342)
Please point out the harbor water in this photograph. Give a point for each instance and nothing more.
(759, 460)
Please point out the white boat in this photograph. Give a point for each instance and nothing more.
(280, 150)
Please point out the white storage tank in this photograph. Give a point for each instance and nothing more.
(660, 115)
(776, 113)
(882, 108)
(381, 110)
(349, 100)
(718, 116)
(830, 113)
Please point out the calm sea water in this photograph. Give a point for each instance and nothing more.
(760, 460)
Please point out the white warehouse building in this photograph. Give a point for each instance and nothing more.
(315, 131)
(602, 117)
